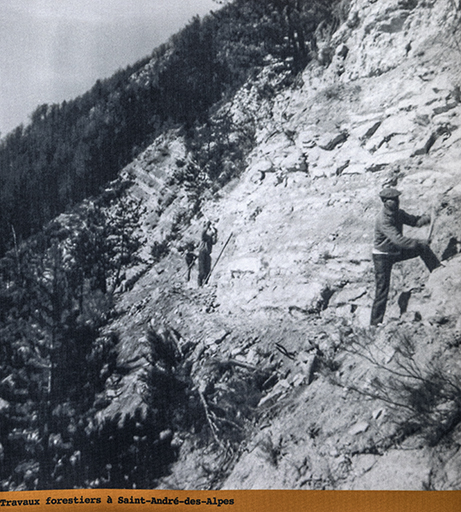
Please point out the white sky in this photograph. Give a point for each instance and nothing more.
(55, 50)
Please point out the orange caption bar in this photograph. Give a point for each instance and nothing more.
(230, 501)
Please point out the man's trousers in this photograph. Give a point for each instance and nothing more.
(204, 266)
(383, 267)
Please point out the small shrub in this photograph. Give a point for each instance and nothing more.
(159, 250)
(425, 397)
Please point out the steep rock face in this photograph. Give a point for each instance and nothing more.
(293, 288)
(299, 231)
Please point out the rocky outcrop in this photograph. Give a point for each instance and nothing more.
(293, 289)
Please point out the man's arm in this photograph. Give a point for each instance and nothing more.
(414, 220)
(214, 235)
(389, 230)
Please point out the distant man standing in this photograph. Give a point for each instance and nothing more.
(190, 258)
(208, 239)
(390, 246)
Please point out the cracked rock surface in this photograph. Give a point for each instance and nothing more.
(348, 406)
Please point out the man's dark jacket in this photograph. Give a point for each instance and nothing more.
(388, 231)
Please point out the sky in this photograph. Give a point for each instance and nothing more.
(55, 50)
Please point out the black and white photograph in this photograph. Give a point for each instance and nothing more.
(230, 236)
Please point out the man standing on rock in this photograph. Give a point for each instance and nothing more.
(208, 239)
(390, 246)
(190, 258)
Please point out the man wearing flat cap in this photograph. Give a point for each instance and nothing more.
(391, 246)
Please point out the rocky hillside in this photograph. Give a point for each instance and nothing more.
(293, 388)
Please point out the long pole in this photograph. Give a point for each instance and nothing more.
(431, 227)
(218, 258)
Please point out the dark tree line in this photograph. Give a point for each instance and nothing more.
(55, 297)
(69, 151)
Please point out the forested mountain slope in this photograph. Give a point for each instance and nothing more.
(69, 151)
(269, 376)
